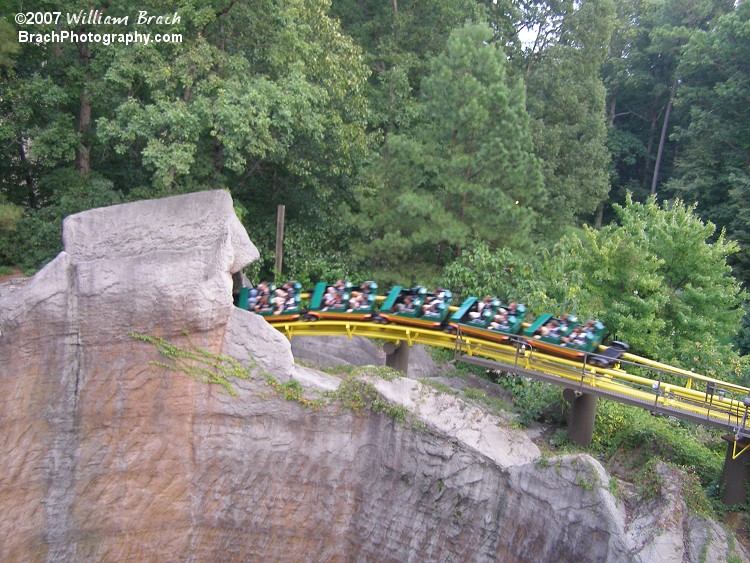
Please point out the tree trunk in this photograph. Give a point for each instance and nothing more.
(599, 216)
(663, 137)
(84, 117)
(649, 147)
(27, 170)
(612, 107)
(218, 162)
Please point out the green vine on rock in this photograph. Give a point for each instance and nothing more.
(198, 363)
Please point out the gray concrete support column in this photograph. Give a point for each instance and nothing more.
(735, 478)
(582, 416)
(397, 356)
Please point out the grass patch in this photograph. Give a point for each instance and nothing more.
(293, 390)
(358, 396)
(438, 386)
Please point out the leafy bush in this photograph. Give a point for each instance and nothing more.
(620, 427)
(9, 216)
(536, 400)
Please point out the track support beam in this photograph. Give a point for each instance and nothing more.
(397, 356)
(582, 416)
(735, 478)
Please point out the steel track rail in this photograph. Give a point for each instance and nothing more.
(720, 404)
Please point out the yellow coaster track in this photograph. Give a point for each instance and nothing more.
(637, 381)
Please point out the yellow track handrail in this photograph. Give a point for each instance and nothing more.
(613, 383)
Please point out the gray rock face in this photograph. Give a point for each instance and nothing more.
(333, 351)
(81, 406)
(110, 455)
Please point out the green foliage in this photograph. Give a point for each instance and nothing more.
(657, 281)
(481, 271)
(652, 483)
(535, 400)
(8, 44)
(10, 215)
(399, 39)
(313, 251)
(466, 171)
(713, 168)
(292, 390)
(614, 487)
(620, 428)
(37, 238)
(266, 97)
(358, 396)
(198, 363)
(438, 386)
(643, 73)
(566, 105)
(650, 480)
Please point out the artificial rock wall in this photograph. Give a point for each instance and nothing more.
(107, 455)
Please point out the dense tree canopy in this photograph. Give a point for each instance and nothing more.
(581, 156)
(411, 139)
(466, 172)
(714, 169)
(566, 102)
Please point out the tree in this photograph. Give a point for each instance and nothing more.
(466, 172)
(659, 282)
(399, 39)
(566, 103)
(643, 79)
(714, 169)
(265, 97)
(482, 271)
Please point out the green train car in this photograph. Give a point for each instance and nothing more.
(488, 318)
(415, 307)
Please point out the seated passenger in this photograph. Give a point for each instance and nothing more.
(500, 322)
(564, 321)
(340, 285)
(252, 299)
(576, 338)
(263, 292)
(329, 298)
(555, 331)
(431, 301)
(358, 301)
(483, 307)
(550, 329)
(279, 301)
(289, 289)
(407, 305)
(264, 303)
(432, 309)
(512, 309)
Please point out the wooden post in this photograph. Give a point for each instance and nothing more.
(279, 239)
